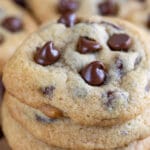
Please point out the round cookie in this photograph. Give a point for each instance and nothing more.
(95, 73)
(52, 9)
(64, 133)
(15, 25)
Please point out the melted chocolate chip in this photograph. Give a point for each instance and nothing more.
(108, 8)
(44, 119)
(148, 21)
(67, 6)
(48, 91)
(119, 42)
(12, 24)
(2, 89)
(68, 19)
(1, 39)
(110, 97)
(87, 45)
(47, 54)
(20, 3)
(94, 73)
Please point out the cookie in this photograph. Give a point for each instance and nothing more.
(28, 142)
(18, 138)
(52, 9)
(15, 25)
(66, 134)
(95, 73)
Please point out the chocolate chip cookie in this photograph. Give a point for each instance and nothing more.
(66, 134)
(95, 72)
(15, 25)
(52, 9)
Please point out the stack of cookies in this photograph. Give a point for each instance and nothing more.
(79, 87)
(15, 25)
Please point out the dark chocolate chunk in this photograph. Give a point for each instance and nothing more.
(148, 21)
(108, 8)
(67, 6)
(94, 73)
(68, 19)
(48, 91)
(87, 45)
(110, 97)
(1, 134)
(47, 54)
(12, 24)
(21, 3)
(119, 42)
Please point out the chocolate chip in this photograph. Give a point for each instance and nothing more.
(1, 38)
(44, 119)
(108, 8)
(87, 45)
(119, 42)
(94, 73)
(68, 19)
(110, 97)
(48, 91)
(2, 89)
(13, 24)
(148, 21)
(20, 3)
(47, 54)
(67, 6)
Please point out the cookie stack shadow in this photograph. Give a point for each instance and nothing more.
(54, 102)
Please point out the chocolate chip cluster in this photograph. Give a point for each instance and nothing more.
(95, 73)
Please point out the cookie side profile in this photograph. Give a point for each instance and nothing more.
(66, 134)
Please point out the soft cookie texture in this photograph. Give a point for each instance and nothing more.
(95, 73)
(29, 142)
(64, 133)
(15, 25)
(136, 11)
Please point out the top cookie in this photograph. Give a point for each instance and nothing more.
(15, 25)
(95, 72)
(51, 9)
